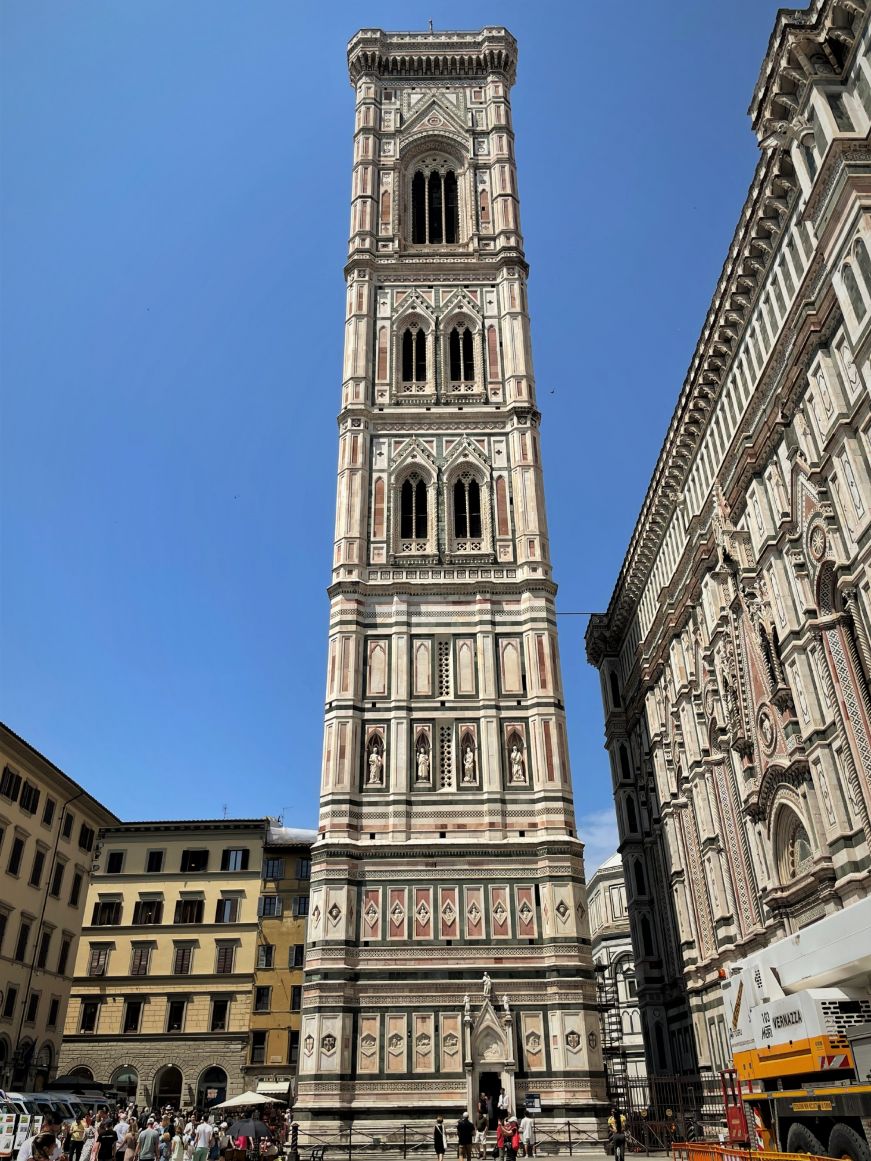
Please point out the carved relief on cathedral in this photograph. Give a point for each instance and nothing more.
(500, 914)
(449, 913)
(474, 912)
(371, 914)
(397, 1043)
(450, 1039)
(369, 1043)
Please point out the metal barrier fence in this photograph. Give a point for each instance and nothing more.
(563, 1137)
(701, 1151)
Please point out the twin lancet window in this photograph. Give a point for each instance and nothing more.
(413, 356)
(467, 507)
(434, 208)
(461, 355)
(413, 510)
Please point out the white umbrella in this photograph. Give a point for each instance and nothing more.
(248, 1098)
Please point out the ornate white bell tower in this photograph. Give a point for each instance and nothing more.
(447, 842)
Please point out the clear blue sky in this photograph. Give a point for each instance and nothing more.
(175, 204)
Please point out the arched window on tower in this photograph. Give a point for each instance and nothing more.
(467, 508)
(413, 355)
(853, 292)
(461, 358)
(860, 253)
(434, 208)
(418, 208)
(413, 510)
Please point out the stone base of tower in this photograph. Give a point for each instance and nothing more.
(394, 1113)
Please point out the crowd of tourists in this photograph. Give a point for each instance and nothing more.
(146, 1135)
(512, 1138)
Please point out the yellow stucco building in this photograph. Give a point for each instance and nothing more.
(275, 1020)
(48, 839)
(165, 969)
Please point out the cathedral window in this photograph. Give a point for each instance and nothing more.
(413, 509)
(467, 507)
(794, 850)
(461, 355)
(860, 254)
(413, 355)
(434, 208)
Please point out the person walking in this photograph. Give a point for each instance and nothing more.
(481, 1134)
(77, 1138)
(107, 1141)
(203, 1134)
(465, 1133)
(527, 1134)
(440, 1138)
(147, 1143)
(500, 1138)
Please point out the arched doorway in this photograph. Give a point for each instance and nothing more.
(491, 1055)
(212, 1088)
(167, 1087)
(126, 1081)
(42, 1067)
(21, 1060)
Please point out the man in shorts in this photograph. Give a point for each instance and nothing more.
(481, 1134)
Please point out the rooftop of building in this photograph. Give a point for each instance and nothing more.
(28, 753)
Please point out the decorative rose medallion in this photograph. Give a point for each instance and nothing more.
(817, 542)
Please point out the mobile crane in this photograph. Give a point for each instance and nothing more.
(799, 1015)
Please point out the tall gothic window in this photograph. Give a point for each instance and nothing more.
(413, 510)
(413, 355)
(461, 355)
(434, 208)
(860, 253)
(467, 507)
(853, 292)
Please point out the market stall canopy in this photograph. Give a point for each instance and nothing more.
(247, 1098)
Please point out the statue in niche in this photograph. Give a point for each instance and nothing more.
(468, 764)
(467, 1005)
(516, 759)
(488, 985)
(422, 765)
(376, 766)
(505, 1007)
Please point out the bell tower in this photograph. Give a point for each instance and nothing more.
(449, 948)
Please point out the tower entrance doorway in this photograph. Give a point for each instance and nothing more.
(489, 1084)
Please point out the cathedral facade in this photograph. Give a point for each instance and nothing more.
(734, 655)
(448, 941)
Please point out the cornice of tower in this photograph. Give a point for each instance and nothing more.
(447, 55)
(416, 267)
(403, 586)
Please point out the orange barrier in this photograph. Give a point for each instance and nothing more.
(703, 1151)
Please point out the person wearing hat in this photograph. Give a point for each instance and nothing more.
(465, 1133)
